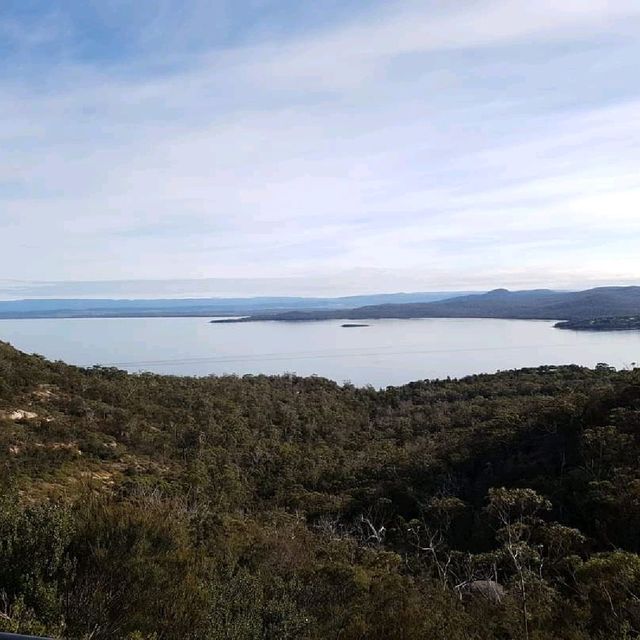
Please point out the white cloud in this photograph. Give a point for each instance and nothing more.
(353, 54)
(399, 145)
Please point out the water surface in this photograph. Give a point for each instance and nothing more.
(388, 352)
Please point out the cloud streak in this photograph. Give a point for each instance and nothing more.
(477, 144)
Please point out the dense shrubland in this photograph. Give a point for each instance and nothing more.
(155, 507)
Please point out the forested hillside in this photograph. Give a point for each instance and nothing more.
(149, 507)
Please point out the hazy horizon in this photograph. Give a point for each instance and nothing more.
(216, 288)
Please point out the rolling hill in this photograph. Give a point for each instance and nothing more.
(543, 304)
(148, 507)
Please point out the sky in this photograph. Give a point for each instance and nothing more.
(247, 147)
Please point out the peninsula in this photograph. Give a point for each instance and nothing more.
(626, 323)
(537, 304)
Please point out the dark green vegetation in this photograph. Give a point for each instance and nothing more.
(153, 507)
(625, 323)
(541, 304)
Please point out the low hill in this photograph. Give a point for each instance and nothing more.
(540, 304)
(142, 507)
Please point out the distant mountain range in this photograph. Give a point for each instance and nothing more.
(500, 303)
(205, 307)
(601, 302)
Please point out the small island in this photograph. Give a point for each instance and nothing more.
(623, 323)
(350, 325)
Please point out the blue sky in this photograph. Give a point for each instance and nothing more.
(319, 148)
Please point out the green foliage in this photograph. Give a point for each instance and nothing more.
(33, 564)
(149, 507)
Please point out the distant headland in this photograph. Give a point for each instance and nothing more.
(595, 309)
(625, 323)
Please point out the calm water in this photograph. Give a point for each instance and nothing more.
(388, 352)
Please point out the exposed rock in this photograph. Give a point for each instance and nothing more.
(56, 446)
(21, 414)
(488, 589)
(44, 392)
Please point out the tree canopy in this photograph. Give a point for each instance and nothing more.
(156, 507)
